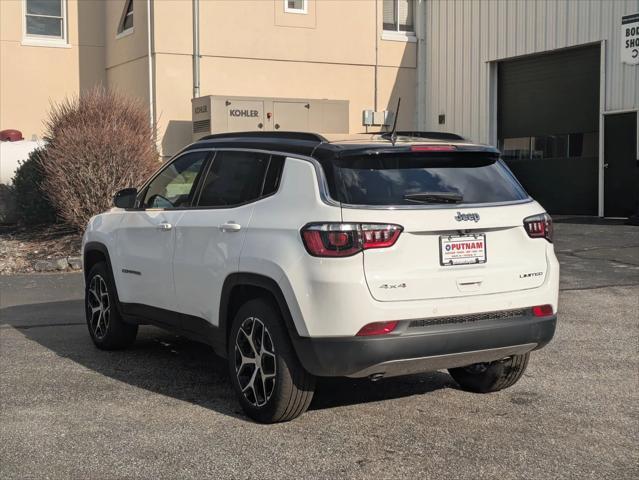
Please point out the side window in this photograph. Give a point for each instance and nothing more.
(273, 175)
(174, 186)
(234, 178)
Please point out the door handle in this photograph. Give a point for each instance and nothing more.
(165, 227)
(605, 165)
(230, 226)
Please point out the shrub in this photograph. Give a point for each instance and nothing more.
(98, 143)
(33, 207)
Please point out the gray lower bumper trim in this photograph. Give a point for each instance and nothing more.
(408, 366)
(431, 348)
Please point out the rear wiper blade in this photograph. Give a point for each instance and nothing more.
(434, 197)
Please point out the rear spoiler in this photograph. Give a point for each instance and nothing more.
(404, 149)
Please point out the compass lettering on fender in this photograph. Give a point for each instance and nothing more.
(388, 286)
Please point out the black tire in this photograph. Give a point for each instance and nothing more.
(289, 390)
(106, 327)
(491, 377)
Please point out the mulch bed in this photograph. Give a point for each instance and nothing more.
(23, 250)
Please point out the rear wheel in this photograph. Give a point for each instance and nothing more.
(492, 376)
(106, 327)
(271, 384)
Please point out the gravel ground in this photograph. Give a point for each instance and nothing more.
(22, 249)
(164, 409)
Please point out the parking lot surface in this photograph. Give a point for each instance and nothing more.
(164, 408)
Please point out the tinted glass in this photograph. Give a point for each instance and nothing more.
(128, 22)
(234, 178)
(51, 8)
(295, 4)
(390, 14)
(550, 146)
(405, 15)
(51, 27)
(174, 186)
(273, 175)
(388, 179)
(515, 148)
(583, 144)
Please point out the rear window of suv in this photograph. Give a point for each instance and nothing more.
(413, 179)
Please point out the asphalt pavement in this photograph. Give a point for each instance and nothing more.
(164, 408)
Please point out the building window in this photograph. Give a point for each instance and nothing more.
(398, 16)
(45, 21)
(296, 6)
(573, 145)
(126, 23)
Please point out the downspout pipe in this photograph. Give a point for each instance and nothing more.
(149, 26)
(196, 48)
(376, 56)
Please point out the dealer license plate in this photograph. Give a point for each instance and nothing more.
(462, 249)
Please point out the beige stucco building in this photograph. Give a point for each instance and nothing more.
(364, 52)
(553, 83)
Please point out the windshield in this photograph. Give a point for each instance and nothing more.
(412, 180)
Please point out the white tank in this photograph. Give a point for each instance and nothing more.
(11, 153)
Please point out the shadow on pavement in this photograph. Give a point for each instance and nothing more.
(584, 220)
(171, 365)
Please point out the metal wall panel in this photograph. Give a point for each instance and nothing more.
(463, 37)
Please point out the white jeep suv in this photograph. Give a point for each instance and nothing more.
(294, 257)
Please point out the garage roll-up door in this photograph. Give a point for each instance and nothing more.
(550, 93)
(547, 120)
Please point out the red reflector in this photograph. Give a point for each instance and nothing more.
(338, 239)
(433, 148)
(542, 310)
(377, 328)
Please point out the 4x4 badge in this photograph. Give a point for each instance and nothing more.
(466, 217)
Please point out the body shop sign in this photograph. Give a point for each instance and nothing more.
(630, 39)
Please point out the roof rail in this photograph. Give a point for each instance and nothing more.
(432, 135)
(311, 137)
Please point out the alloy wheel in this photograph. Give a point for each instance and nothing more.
(255, 364)
(99, 305)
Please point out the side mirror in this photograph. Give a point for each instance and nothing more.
(125, 198)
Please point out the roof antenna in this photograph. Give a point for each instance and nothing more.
(393, 133)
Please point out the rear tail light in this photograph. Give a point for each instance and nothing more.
(346, 239)
(539, 226)
(542, 310)
(377, 328)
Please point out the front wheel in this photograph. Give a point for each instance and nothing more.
(271, 384)
(106, 327)
(492, 376)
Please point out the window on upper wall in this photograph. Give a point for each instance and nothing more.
(126, 23)
(45, 21)
(398, 16)
(296, 6)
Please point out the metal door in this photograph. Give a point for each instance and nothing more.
(621, 165)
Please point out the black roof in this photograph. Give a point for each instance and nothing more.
(319, 146)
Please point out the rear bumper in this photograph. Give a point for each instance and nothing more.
(424, 349)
